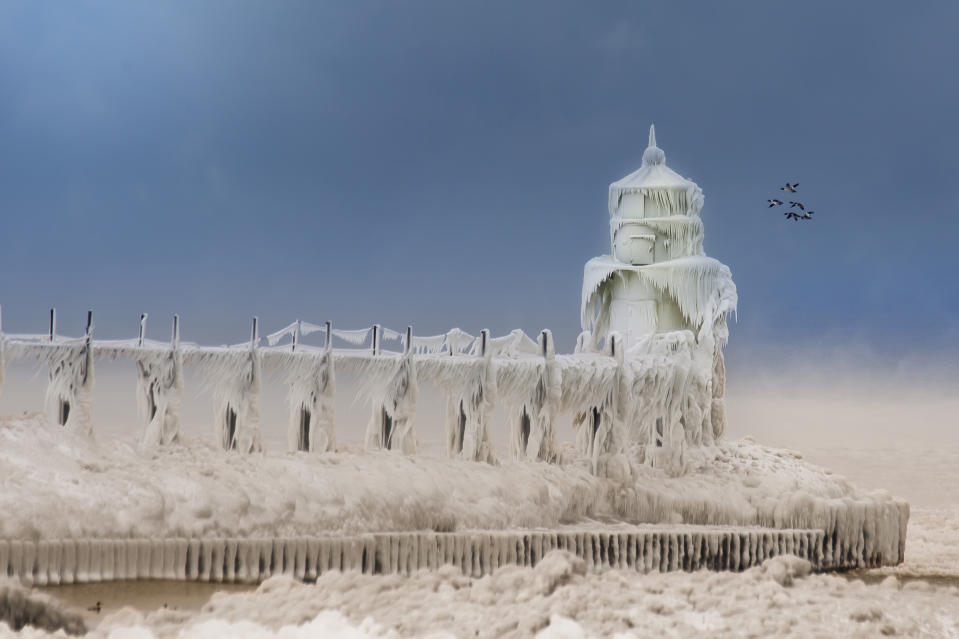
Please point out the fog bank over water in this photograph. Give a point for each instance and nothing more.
(883, 422)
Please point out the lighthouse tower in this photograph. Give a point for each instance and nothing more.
(654, 228)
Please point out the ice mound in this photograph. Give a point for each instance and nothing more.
(59, 485)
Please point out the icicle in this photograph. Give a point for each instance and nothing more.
(391, 335)
(69, 398)
(702, 288)
(274, 338)
(468, 407)
(159, 389)
(427, 345)
(353, 337)
(533, 436)
(311, 399)
(237, 417)
(391, 423)
(457, 341)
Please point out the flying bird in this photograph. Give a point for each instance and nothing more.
(773, 203)
(795, 204)
(789, 188)
(96, 608)
(807, 215)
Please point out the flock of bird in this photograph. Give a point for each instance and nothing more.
(791, 213)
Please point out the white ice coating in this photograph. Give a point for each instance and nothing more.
(62, 486)
(532, 418)
(159, 395)
(69, 396)
(602, 433)
(672, 191)
(393, 408)
(469, 400)
(311, 401)
(648, 406)
(234, 372)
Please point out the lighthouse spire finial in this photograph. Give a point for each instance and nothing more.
(653, 154)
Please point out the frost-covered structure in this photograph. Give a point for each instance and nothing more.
(394, 403)
(312, 390)
(69, 395)
(236, 375)
(668, 303)
(159, 388)
(644, 387)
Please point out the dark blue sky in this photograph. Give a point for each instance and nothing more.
(447, 163)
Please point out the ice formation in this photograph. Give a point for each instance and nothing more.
(312, 381)
(645, 387)
(668, 303)
(532, 415)
(393, 403)
(69, 395)
(159, 388)
(235, 372)
(468, 406)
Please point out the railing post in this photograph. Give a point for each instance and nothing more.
(376, 339)
(484, 335)
(88, 362)
(409, 340)
(296, 335)
(53, 323)
(143, 329)
(254, 334)
(544, 338)
(175, 339)
(329, 336)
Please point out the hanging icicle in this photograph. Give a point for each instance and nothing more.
(602, 426)
(353, 337)
(311, 399)
(391, 423)
(235, 373)
(458, 341)
(159, 389)
(468, 408)
(69, 397)
(533, 435)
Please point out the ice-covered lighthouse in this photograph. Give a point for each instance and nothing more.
(657, 278)
(661, 304)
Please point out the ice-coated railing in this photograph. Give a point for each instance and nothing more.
(653, 399)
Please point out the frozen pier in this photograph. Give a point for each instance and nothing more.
(476, 553)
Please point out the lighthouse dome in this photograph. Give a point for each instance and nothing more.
(656, 179)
